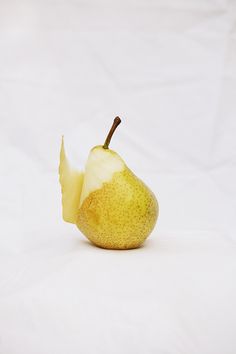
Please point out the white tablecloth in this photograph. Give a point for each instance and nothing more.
(168, 68)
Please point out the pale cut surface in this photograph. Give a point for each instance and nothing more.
(119, 215)
(100, 168)
(71, 182)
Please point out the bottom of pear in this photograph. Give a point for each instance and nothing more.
(117, 248)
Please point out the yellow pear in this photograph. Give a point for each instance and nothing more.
(111, 206)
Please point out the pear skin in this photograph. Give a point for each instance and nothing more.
(121, 214)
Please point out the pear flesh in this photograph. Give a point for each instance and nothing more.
(112, 207)
(100, 168)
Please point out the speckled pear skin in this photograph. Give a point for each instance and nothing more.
(121, 214)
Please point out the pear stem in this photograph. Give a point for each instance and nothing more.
(115, 124)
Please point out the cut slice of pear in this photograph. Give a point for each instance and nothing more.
(71, 182)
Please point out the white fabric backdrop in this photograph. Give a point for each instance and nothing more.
(168, 68)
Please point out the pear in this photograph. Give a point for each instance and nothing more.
(112, 207)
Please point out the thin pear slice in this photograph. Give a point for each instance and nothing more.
(71, 182)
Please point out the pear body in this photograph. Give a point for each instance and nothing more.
(119, 215)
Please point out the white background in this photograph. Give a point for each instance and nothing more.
(168, 69)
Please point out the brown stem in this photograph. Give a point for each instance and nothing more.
(115, 124)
